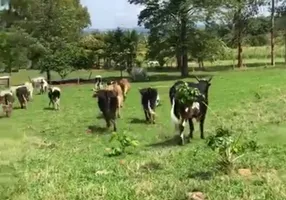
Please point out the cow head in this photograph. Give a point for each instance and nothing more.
(204, 84)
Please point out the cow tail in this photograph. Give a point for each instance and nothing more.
(151, 110)
(173, 116)
(6, 100)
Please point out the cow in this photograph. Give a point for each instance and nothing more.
(23, 95)
(29, 87)
(40, 84)
(98, 83)
(54, 95)
(7, 100)
(125, 86)
(108, 104)
(113, 86)
(149, 98)
(43, 86)
(181, 113)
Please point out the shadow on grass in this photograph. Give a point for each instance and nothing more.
(215, 68)
(201, 175)
(49, 108)
(100, 116)
(97, 129)
(18, 108)
(174, 141)
(137, 121)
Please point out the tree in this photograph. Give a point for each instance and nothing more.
(15, 47)
(177, 15)
(52, 22)
(67, 59)
(240, 12)
(206, 47)
(281, 23)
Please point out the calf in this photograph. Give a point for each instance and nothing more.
(54, 96)
(7, 100)
(23, 95)
(149, 98)
(108, 105)
(180, 113)
(125, 86)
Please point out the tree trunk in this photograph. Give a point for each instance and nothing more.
(184, 50)
(285, 46)
(272, 33)
(239, 48)
(48, 76)
(179, 60)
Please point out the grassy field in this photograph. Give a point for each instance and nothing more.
(45, 154)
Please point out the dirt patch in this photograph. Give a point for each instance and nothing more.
(196, 196)
(245, 172)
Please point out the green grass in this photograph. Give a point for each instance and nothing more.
(49, 155)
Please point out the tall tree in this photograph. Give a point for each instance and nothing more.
(240, 12)
(178, 15)
(52, 22)
(281, 24)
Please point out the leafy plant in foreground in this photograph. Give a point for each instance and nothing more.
(124, 142)
(228, 148)
(187, 95)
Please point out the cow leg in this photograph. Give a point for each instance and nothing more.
(146, 115)
(153, 118)
(191, 125)
(180, 128)
(202, 121)
(181, 133)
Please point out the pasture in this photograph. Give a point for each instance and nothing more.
(47, 154)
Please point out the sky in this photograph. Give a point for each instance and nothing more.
(110, 14)
(106, 14)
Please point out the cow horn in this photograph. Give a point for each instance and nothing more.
(210, 79)
(197, 78)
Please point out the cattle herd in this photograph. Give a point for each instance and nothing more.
(111, 96)
(24, 94)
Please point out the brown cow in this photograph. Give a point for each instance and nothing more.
(113, 86)
(7, 100)
(125, 86)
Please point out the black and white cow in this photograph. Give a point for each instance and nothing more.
(23, 95)
(98, 83)
(108, 104)
(181, 113)
(149, 98)
(54, 96)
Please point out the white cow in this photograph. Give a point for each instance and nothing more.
(40, 84)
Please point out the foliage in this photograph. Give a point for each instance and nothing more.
(187, 95)
(228, 147)
(15, 46)
(206, 47)
(124, 142)
(67, 59)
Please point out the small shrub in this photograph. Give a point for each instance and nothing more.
(124, 142)
(228, 148)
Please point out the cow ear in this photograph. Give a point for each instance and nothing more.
(210, 79)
